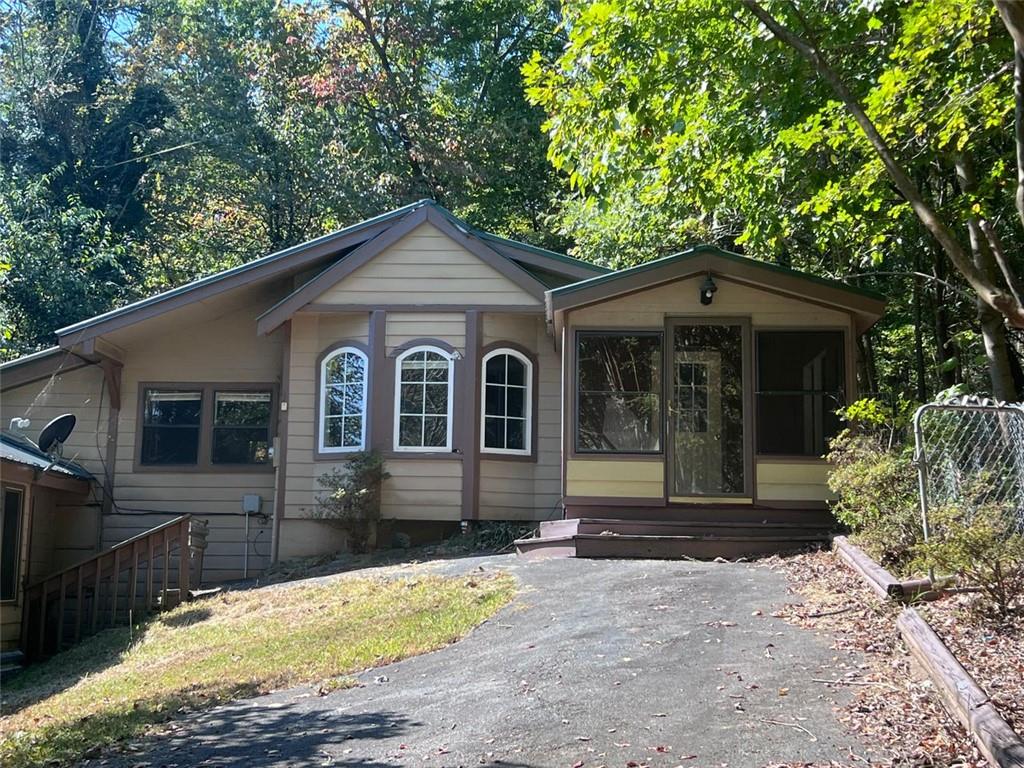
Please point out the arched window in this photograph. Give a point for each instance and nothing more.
(343, 401)
(423, 400)
(507, 398)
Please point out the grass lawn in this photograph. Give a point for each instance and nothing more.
(238, 644)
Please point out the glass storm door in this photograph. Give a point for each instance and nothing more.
(707, 410)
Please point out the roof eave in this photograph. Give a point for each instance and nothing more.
(867, 306)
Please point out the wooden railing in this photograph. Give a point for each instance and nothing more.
(149, 572)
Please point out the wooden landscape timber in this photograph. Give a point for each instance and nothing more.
(882, 583)
(961, 695)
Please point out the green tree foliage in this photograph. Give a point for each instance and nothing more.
(167, 139)
(691, 120)
(875, 482)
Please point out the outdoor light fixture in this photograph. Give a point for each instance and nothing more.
(707, 290)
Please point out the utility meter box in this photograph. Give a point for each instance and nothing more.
(251, 503)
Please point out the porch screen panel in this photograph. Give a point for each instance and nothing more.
(618, 392)
(800, 386)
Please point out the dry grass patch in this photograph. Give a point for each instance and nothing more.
(238, 644)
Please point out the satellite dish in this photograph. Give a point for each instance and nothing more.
(56, 432)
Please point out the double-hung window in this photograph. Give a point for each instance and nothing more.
(171, 426)
(507, 402)
(423, 400)
(343, 401)
(205, 426)
(241, 427)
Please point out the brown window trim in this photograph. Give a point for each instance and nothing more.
(487, 454)
(341, 456)
(204, 464)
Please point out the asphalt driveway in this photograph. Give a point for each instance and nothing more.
(617, 663)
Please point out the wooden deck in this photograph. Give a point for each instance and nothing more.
(669, 539)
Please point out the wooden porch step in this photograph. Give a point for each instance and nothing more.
(812, 515)
(678, 546)
(709, 527)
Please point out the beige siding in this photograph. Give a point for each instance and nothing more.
(54, 535)
(615, 477)
(792, 481)
(419, 489)
(526, 490)
(200, 349)
(526, 330)
(647, 309)
(312, 334)
(403, 327)
(423, 489)
(426, 267)
(304, 537)
(10, 626)
(80, 392)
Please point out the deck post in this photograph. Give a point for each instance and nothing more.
(41, 648)
(167, 560)
(149, 578)
(184, 562)
(133, 589)
(78, 603)
(96, 585)
(60, 612)
(114, 578)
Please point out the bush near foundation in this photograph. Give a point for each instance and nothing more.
(875, 481)
(351, 500)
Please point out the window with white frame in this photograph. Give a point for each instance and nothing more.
(423, 401)
(507, 402)
(343, 401)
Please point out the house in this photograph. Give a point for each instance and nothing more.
(500, 381)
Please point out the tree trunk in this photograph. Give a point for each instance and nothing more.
(919, 366)
(993, 329)
(944, 346)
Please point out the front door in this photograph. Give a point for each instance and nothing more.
(707, 415)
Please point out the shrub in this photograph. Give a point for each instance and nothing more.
(493, 535)
(982, 547)
(876, 484)
(352, 498)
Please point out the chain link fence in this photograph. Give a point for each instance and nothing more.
(970, 457)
